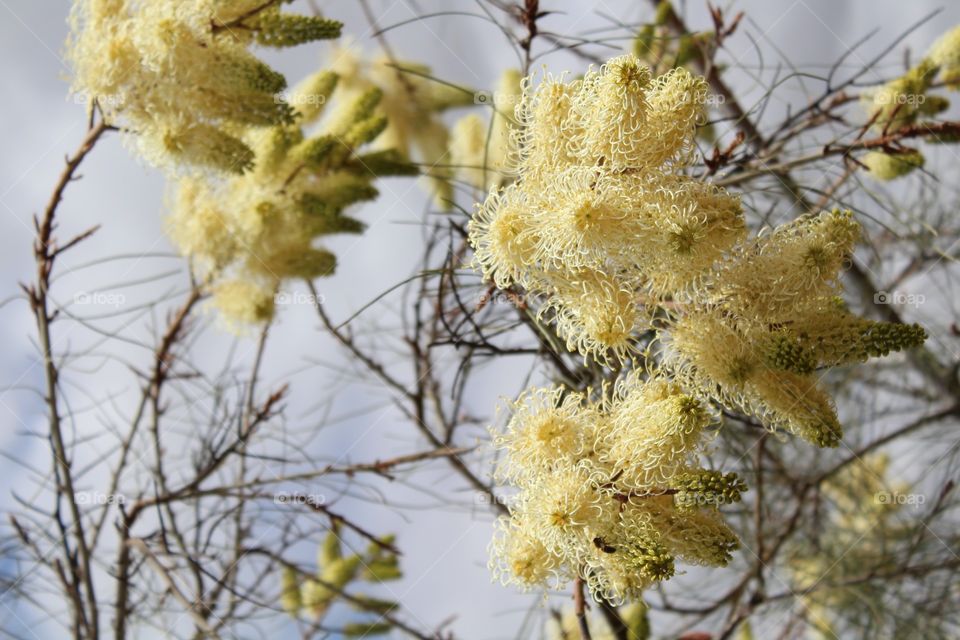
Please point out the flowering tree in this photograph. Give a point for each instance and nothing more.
(705, 444)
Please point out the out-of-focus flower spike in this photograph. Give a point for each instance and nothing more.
(304, 262)
(388, 162)
(311, 95)
(244, 303)
(945, 54)
(290, 595)
(360, 109)
(890, 166)
(314, 152)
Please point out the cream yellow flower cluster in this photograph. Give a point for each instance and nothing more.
(412, 103)
(601, 215)
(770, 319)
(901, 101)
(610, 489)
(890, 166)
(606, 233)
(179, 75)
(604, 229)
(251, 232)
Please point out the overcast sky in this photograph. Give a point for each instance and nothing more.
(445, 548)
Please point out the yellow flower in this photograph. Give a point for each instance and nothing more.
(779, 272)
(653, 435)
(261, 226)
(179, 76)
(518, 557)
(547, 429)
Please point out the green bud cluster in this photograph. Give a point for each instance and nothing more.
(336, 572)
(276, 29)
(650, 560)
(708, 487)
(831, 339)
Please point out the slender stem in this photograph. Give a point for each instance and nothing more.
(580, 609)
(45, 253)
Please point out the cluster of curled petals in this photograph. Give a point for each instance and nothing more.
(180, 76)
(600, 219)
(613, 240)
(770, 319)
(609, 489)
(774, 276)
(249, 233)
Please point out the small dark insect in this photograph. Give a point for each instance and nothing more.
(603, 546)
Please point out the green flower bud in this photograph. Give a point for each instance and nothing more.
(290, 596)
(310, 96)
(365, 131)
(886, 166)
(329, 551)
(316, 597)
(208, 146)
(276, 29)
(388, 162)
(880, 338)
(244, 71)
(376, 605)
(308, 263)
(340, 572)
(330, 223)
(934, 105)
(786, 352)
(366, 629)
(649, 559)
(382, 570)
(340, 190)
(825, 432)
(315, 151)
(636, 620)
(361, 109)
(708, 488)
